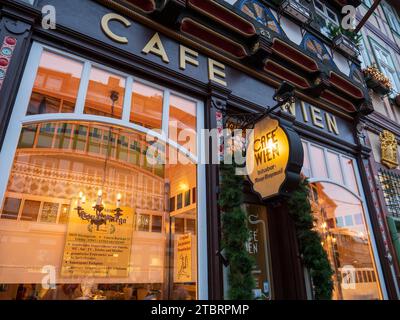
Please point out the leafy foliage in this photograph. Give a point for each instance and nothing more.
(338, 30)
(235, 234)
(314, 256)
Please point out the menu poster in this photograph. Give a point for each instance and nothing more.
(98, 250)
(183, 262)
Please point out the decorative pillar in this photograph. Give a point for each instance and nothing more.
(16, 24)
(376, 210)
(217, 101)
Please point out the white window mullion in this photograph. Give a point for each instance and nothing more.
(126, 110)
(165, 115)
(83, 87)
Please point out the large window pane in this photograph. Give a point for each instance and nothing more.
(11, 208)
(317, 159)
(105, 95)
(147, 106)
(182, 122)
(56, 85)
(150, 253)
(30, 210)
(340, 221)
(334, 167)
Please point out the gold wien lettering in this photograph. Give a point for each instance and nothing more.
(316, 117)
(332, 123)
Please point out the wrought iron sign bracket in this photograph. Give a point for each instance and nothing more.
(284, 96)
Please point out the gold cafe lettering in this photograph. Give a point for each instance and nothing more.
(266, 148)
(155, 46)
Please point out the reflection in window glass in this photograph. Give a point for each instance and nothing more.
(30, 210)
(64, 214)
(349, 173)
(56, 85)
(68, 159)
(45, 136)
(49, 212)
(11, 208)
(179, 225)
(334, 167)
(318, 162)
(346, 243)
(183, 122)
(105, 95)
(306, 165)
(147, 106)
(156, 224)
(27, 138)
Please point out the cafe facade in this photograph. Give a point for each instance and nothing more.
(86, 88)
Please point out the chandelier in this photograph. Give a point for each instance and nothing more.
(98, 217)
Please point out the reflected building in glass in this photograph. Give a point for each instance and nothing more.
(110, 183)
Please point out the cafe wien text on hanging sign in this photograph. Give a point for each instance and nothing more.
(274, 157)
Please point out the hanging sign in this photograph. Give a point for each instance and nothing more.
(274, 157)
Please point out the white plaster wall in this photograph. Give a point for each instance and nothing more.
(341, 63)
(292, 30)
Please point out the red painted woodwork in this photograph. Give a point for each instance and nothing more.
(285, 74)
(345, 86)
(293, 55)
(224, 15)
(209, 36)
(338, 101)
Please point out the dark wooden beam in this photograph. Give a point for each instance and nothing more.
(367, 15)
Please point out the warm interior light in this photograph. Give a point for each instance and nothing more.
(184, 186)
(100, 193)
(119, 196)
(80, 194)
(83, 199)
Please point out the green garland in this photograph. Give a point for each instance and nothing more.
(314, 256)
(235, 234)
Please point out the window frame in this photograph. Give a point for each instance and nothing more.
(19, 118)
(383, 66)
(360, 196)
(392, 18)
(325, 12)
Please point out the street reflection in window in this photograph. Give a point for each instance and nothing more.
(340, 220)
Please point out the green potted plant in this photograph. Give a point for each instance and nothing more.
(345, 39)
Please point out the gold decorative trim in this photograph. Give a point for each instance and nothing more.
(389, 149)
(260, 75)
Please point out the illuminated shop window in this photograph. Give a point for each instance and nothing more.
(341, 219)
(105, 95)
(182, 122)
(147, 106)
(67, 167)
(56, 85)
